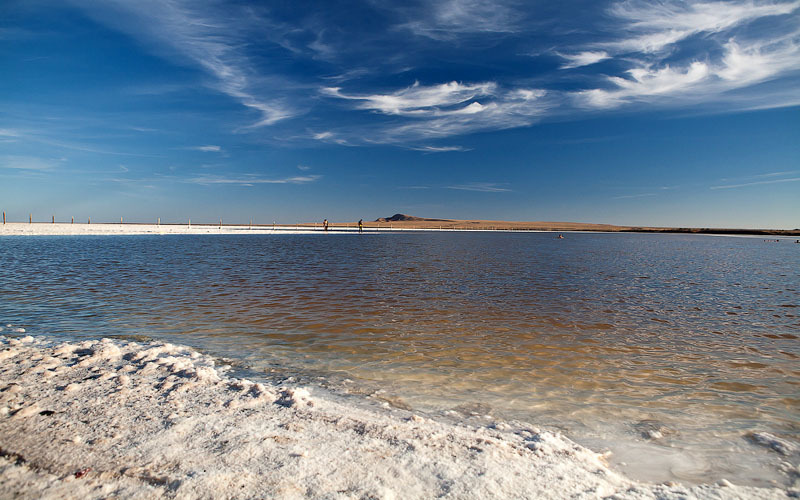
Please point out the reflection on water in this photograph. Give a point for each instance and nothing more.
(667, 349)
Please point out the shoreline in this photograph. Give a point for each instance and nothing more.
(103, 418)
(128, 229)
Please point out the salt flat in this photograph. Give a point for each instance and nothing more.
(66, 229)
(105, 418)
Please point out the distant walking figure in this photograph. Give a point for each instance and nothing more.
(325, 224)
(360, 225)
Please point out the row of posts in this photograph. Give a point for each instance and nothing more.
(53, 220)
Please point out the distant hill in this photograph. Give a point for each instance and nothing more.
(409, 218)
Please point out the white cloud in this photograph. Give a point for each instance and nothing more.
(304, 168)
(438, 149)
(417, 99)
(646, 82)
(742, 65)
(756, 183)
(247, 180)
(584, 58)
(194, 31)
(655, 26)
(757, 62)
(207, 149)
(447, 19)
(632, 196)
(330, 137)
(485, 187)
(27, 163)
(445, 110)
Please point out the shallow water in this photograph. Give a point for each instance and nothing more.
(666, 349)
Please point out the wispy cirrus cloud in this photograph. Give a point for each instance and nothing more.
(646, 82)
(252, 180)
(32, 163)
(438, 149)
(449, 19)
(759, 179)
(652, 27)
(633, 196)
(740, 67)
(756, 183)
(8, 135)
(418, 100)
(669, 53)
(445, 110)
(731, 57)
(330, 137)
(584, 58)
(205, 34)
(206, 149)
(762, 176)
(484, 187)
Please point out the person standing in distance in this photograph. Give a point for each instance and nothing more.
(360, 225)
(325, 224)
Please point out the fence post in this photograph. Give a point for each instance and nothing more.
(30, 218)
(90, 220)
(73, 220)
(4, 217)
(120, 220)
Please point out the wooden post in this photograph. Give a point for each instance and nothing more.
(4, 217)
(54, 219)
(73, 220)
(120, 220)
(30, 218)
(90, 220)
(159, 221)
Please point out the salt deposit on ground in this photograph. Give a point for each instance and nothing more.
(63, 229)
(110, 418)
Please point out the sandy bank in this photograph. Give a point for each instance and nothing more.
(113, 418)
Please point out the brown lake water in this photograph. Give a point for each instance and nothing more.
(668, 350)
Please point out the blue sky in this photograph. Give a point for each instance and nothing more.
(627, 112)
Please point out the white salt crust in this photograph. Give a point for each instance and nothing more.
(65, 229)
(109, 418)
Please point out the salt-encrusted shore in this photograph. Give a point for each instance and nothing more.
(111, 418)
(63, 229)
(67, 229)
